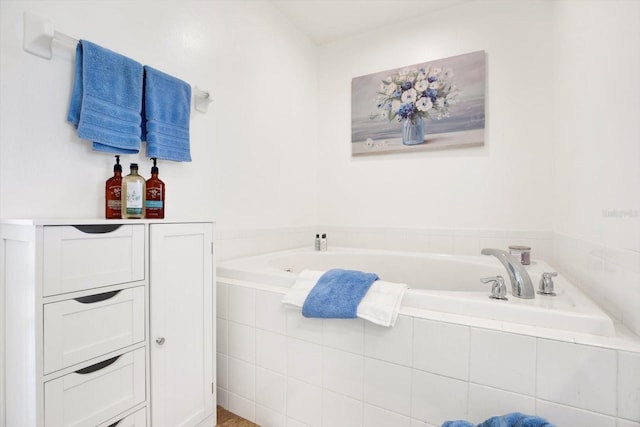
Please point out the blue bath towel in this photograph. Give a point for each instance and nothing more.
(514, 419)
(337, 294)
(106, 101)
(458, 423)
(167, 110)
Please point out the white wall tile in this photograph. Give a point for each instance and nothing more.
(271, 390)
(503, 360)
(222, 336)
(222, 300)
(387, 385)
(222, 397)
(304, 361)
(304, 402)
(390, 344)
(222, 376)
(486, 402)
(246, 408)
(378, 417)
(566, 416)
(266, 417)
(441, 348)
(242, 378)
(629, 385)
(271, 351)
(627, 423)
(242, 305)
(344, 334)
(436, 399)
(343, 372)
(270, 312)
(577, 375)
(295, 423)
(339, 410)
(242, 342)
(303, 328)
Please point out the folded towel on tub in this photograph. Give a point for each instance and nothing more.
(167, 109)
(106, 100)
(337, 294)
(513, 419)
(380, 304)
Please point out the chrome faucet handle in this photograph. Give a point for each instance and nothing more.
(545, 287)
(498, 288)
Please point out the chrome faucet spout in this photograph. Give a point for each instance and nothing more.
(521, 285)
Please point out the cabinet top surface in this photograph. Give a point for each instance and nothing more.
(87, 221)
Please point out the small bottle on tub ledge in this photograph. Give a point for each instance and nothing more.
(323, 243)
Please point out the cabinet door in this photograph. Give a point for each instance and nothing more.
(181, 309)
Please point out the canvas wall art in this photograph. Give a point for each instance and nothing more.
(429, 106)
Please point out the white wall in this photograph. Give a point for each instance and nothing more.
(253, 152)
(505, 184)
(597, 151)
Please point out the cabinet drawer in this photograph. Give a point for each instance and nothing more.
(85, 257)
(83, 328)
(97, 393)
(137, 419)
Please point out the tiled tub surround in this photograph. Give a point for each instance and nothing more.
(278, 368)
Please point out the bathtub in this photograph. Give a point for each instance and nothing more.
(445, 284)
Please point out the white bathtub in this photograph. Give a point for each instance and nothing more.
(437, 283)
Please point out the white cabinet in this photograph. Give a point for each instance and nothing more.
(78, 301)
(182, 369)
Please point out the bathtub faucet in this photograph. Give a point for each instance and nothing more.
(521, 285)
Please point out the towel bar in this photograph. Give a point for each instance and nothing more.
(39, 34)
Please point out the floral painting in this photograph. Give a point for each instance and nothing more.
(430, 106)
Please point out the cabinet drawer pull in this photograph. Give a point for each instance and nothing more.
(97, 366)
(98, 228)
(116, 423)
(97, 297)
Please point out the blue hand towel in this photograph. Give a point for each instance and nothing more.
(167, 109)
(106, 101)
(337, 294)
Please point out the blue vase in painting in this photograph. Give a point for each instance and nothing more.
(413, 130)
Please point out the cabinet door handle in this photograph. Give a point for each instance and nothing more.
(97, 297)
(160, 340)
(116, 423)
(97, 366)
(97, 228)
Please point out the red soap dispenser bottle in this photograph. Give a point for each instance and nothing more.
(113, 189)
(154, 205)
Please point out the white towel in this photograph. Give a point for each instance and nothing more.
(380, 305)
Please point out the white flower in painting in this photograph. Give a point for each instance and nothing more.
(404, 72)
(390, 89)
(409, 95)
(435, 71)
(421, 76)
(439, 103)
(384, 114)
(421, 85)
(424, 104)
(433, 85)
